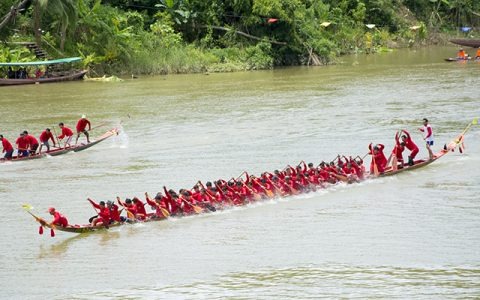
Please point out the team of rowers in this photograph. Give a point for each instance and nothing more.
(221, 193)
(28, 145)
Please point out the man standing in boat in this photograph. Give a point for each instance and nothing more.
(66, 132)
(7, 147)
(81, 128)
(45, 136)
(428, 136)
(410, 145)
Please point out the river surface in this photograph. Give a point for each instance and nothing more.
(416, 235)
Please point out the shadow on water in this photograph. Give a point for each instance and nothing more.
(60, 248)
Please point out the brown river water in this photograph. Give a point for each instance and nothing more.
(415, 235)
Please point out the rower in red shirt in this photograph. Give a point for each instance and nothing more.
(58, 218)
(159, 205)
(22, 145)
(45, 136)
(140, 206)
(378, 159)
(398, 149)
(7, 147)
(410, 145)
(32, 142)
(81, 128)
(172, 205)
(66, 133)
(114, 212)
(103, 217)
(129, 208)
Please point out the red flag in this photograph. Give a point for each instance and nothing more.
(52, 233)
(272, 20)
(40, 230)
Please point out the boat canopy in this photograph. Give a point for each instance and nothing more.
(42, 62)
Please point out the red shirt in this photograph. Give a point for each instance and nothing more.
(65, 132)
(22, 143)
(140, 207)
(82, 124)
(6, 145)
(115, 213)
(59, 219)
(409, 144)
(45, 136)
(104, 214)
(32, 141)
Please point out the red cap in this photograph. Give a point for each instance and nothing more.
(51, 209)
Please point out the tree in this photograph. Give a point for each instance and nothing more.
(63, 12)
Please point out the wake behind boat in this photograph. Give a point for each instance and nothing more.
(64, 150)
(258, 188)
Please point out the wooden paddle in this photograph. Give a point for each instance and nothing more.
(196, 208)
(99, 125)
(56, 136)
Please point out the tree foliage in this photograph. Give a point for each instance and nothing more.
(119, 34)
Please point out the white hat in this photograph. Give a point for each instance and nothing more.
(84, 116)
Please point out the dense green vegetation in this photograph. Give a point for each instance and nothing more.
(174, 36)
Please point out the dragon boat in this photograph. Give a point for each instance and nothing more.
(391, 170)
(64, 150)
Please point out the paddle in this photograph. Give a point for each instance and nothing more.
(56, 136)
(99, 125)
(196, 208)
(130, 215)
(375, 167)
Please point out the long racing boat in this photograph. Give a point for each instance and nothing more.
(64, 150)
(394, 169)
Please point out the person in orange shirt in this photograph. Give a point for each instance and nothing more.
(477, 56)
(461, 54)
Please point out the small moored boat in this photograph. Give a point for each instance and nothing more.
(66, 74)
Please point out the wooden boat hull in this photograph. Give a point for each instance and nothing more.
(87, 227)
(61, 151)
(454, 59)
(74, 76)
(474, 43)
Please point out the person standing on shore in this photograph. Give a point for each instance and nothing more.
(81, 128)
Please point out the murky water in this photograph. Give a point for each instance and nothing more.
(411, 236)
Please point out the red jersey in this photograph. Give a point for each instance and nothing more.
(22, 143)
(65, 132)
(32, 141)
(140, 207)
(409, 144)
(45, 136)
(6, 145)
(82, 124)
(59, 219)
(115, 213)
(104, 215)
